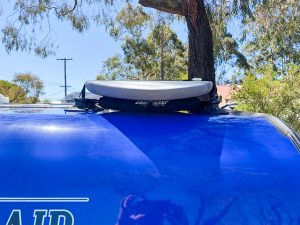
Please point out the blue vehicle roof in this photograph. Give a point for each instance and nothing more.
(147, 168)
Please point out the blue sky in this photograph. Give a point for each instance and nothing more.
(88, 50)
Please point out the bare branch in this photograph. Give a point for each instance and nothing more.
(64, 13)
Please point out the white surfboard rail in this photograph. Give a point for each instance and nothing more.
(149, 90)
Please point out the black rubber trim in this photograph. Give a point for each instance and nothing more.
(284, 128)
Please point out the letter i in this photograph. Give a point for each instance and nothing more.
(39, 216)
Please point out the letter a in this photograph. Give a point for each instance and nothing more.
(56, 215)
(15, 218)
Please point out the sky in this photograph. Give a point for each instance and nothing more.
(88, 51)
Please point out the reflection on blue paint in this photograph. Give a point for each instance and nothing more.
(159, 169)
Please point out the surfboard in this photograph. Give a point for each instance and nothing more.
(149, 90)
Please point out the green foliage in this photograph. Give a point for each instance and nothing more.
(226, 46)
(29, 17)
(15, 93)
(170, 51)
(130, 20)
(270, 34)
(25, 88)
(264, 91)
(272, 47)
(115, 69)
(31, 84)
(46, 101)
(270, 30)
(151, 50)
(274, 34)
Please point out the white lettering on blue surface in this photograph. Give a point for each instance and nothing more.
(57, 217)
(15, 218)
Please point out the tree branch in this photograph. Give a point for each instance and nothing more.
(169, 6)
(64, 13)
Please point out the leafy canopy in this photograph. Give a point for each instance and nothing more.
(270, 29)
(28, 24)
(151, 50)
(264, 91)
(273, 34)
(15, 93)
(32, 85)
(25, 88)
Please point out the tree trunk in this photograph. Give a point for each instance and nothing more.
(201, 59)
(162, 53)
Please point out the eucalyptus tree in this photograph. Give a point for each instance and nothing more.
(151, 50)
(31, 84)
(263, 91)
(201, 16)
(273, 35)
(24, 88)
(15, 93)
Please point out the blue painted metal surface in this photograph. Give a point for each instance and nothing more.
(118, 168)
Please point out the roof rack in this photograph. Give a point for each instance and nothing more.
(203, 103)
